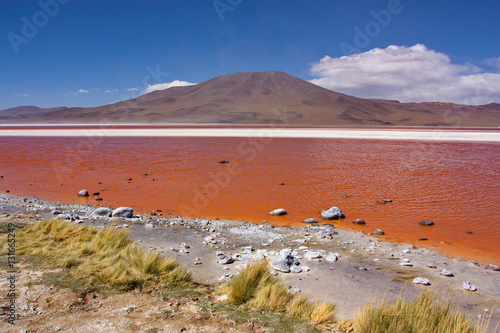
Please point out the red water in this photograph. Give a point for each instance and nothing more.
(457, 185)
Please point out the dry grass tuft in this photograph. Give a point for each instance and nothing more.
(424, 314)
(256, 287)
(106, 256)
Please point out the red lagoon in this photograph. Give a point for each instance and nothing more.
(454, 184)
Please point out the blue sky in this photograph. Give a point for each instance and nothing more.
(90, 53)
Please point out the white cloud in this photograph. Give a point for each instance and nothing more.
(21, 95)
(162, 86)
(131, 89)
(82, 91)
(407, 74)
(110, 91)
(493, 63)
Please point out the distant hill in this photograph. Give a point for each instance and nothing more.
(266, 98)
(26, 111)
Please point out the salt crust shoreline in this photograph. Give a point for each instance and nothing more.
(271, 131)
(367, 269)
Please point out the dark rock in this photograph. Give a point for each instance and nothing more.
(281, 184)
(96, 193)
(381, 202)
(83, 193)
(469, 232)
(426, 222)
(378, 232)
(223, 161)
(359, 221)
(310, 220)
(278, 212)
(129, 178)
(333, 213)
(98, 199)
(492, 267)
(152, 213)
(345, 196)
(422, 239)
(56, 212)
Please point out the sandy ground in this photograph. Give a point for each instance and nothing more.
(333, 133)
(367, 269)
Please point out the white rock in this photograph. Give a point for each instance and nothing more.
(149, 225)
(313, 255)
(431, 265)
(405, 263)
(295, 269)
(126, 212)
(278, 212)
(421, 280)
(305, 268)
(446, 272)
(332, 257)
(469, 286)
(406, 251)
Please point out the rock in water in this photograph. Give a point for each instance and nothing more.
(359, 222)
(333, 213)
(278, 212)
(83, 193)
(421, 280)
(126, 212)
(469, 286)
(103, 211)
(378, 232)
(310, 220)
(446, 272)
(426, 222)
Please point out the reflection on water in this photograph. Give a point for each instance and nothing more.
(457, 185)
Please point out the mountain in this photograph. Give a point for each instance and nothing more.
(266, 98)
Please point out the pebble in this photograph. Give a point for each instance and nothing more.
(431, 265)
(295, 269)
(310, 220)
(83, 193)
(305, 268)
(378, 232)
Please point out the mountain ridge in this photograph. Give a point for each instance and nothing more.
(256, 98)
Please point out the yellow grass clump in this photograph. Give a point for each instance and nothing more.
(106, 256)
(422, 315)
(256, 287)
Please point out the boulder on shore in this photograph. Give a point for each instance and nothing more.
(378, 232)
(333, 213)
(103, 211)
(126, 212)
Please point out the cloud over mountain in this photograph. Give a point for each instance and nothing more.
(407, 74)
(163, 86)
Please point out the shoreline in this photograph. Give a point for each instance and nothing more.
(278, 131)
(366, 268)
